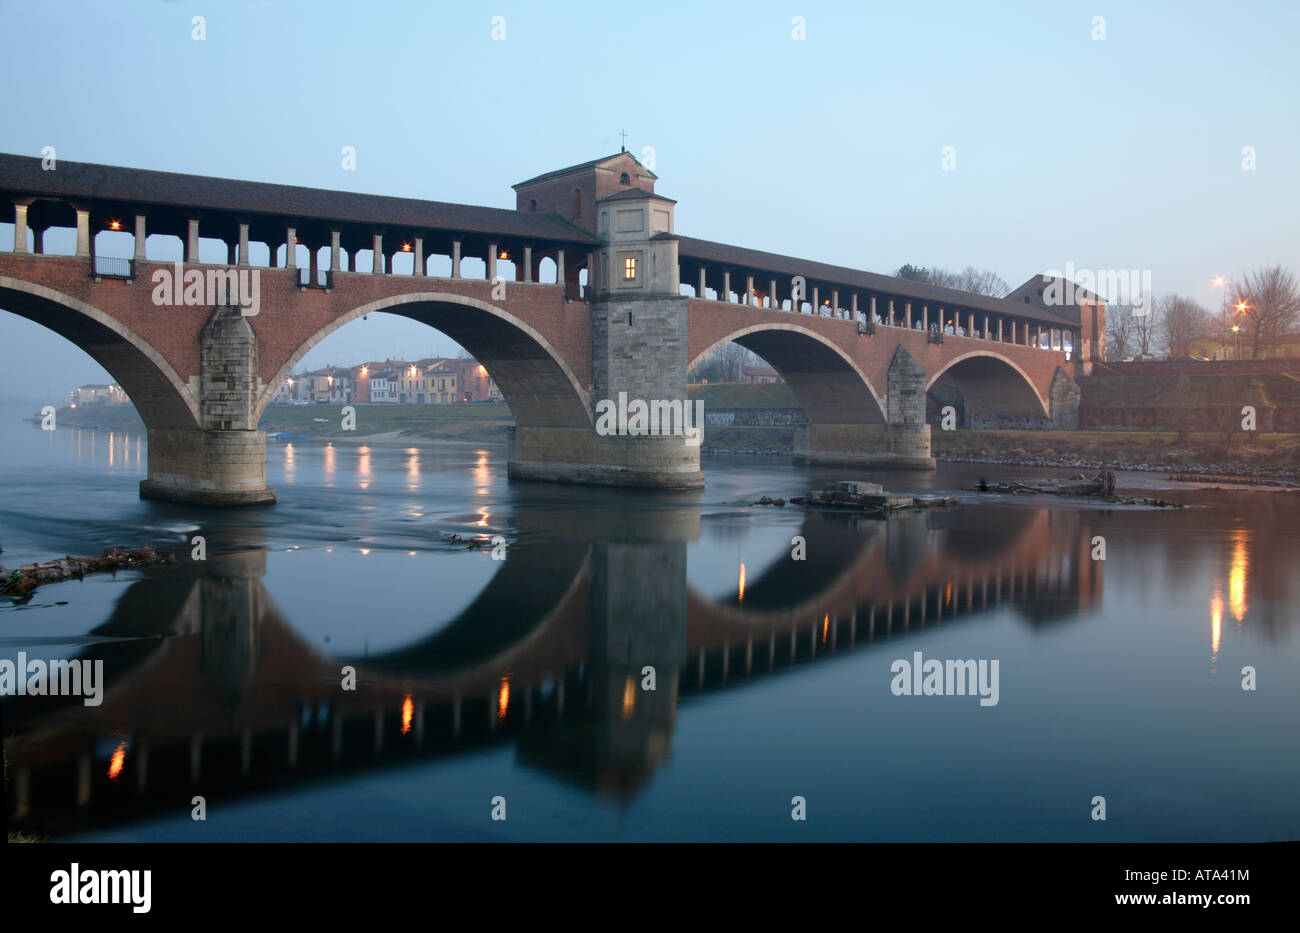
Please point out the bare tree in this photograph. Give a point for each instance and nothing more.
(1146, 331)
(970, 279)
(1268, 303)
(1181, 320)
(724, 364)
(1119, 333)
(1132, 332)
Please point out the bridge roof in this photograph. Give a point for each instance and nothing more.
(740, 259)
(22, 175)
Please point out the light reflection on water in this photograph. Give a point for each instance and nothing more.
(525, 676)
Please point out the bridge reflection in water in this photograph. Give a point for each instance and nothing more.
(210, 690)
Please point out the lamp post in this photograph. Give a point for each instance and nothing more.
(1222, 282)
(1242, 308)
(1236, 331)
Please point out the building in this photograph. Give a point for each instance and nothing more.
(473, 384)
(340, 385)
(99, 394)
(1237, 347)
(384, 385)
(759, 375)
(1059, 296)
(441, 378)
(430, 381)
(362, 377)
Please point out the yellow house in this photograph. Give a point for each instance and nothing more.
(1237, 347)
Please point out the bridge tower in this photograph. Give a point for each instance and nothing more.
(638, 339)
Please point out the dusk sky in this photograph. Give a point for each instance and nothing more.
(1119, 153)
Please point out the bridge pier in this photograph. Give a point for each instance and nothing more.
(220, 468)
(638, 355)
(579, 455)
(223, 462)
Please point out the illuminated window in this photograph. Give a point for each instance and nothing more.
(629, 267)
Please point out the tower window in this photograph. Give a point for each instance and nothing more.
(629, 267)
(532, 205)
(623, 179)
(577, 202)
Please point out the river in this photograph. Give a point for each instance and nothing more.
(515, 680)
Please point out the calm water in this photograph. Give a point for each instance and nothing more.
(521, 678)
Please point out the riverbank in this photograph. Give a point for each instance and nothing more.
(470, 423)
(1151, 451)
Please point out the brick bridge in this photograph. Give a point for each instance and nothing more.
(626, 306)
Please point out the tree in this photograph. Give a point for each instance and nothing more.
(970, 279)
(1180, 321)
(1268, 302)
(1146, 330)
(915, 273)
(1129, 332)
(724, 364)
(1119, 333)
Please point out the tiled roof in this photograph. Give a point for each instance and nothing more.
(582, 166)
(743, 260)
(635, 194)
(22, 175)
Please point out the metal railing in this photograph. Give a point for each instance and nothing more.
(324, 278)
(108, 267)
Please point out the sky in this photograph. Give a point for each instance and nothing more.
(1123, 152)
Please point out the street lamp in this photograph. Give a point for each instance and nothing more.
(1236, 330)
(1222, 282)
(1242, 308)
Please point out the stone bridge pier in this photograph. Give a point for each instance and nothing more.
(222, 462)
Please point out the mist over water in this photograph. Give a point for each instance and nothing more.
(523, 677)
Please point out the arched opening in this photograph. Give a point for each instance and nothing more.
(577, 203)
(510, 361)
(829, 387)
(117, 244)
(160, 396)
(985, 391)
(508, 264)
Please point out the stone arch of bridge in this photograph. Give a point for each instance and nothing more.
(830, 386)
(535, 380)
(162, 398)
(992, 384)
